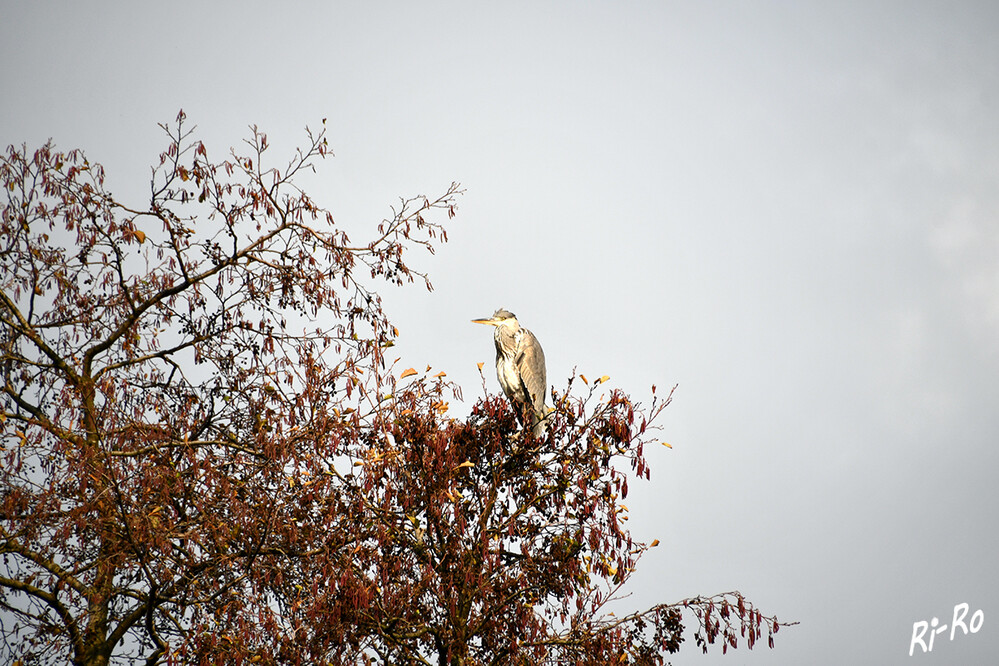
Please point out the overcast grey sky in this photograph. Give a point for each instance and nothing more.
(791, 209)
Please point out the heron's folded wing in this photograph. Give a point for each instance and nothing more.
(531, 366)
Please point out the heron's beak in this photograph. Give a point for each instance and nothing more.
(489, 321)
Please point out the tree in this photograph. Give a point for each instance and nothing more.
(207, 457)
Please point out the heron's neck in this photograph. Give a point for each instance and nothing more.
(506, 338)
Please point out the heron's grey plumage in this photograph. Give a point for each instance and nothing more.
(520, 368)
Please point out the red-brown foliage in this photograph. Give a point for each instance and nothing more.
(206, 458)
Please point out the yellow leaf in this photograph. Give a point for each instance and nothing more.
(140, 235)
(466, 464)
(585, 380)
(604, 378)
(668, 446)
(407, 373)
(655, 542)
(358, 463)
(480, 365)
(440, 374)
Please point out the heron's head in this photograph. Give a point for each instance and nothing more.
(500, 318)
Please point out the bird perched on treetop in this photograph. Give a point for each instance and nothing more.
(520, 368)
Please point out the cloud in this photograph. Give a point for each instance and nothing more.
(965, 245)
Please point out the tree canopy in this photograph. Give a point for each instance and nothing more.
(207, 456)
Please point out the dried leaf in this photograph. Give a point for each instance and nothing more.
(140, 235)
(409, 372)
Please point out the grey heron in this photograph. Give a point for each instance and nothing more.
(520, 368)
